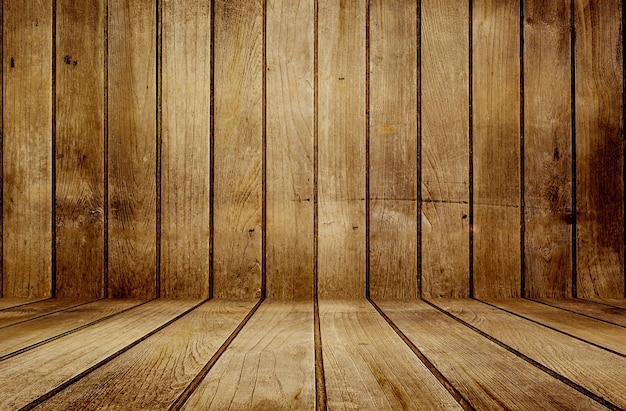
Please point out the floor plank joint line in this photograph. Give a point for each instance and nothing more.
(546, 303)
(49, 313)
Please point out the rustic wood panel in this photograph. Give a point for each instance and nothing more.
(547, 149)
(27, 149)
(590, 309)
(393, 149)
(269, 366)
(1, 148)
(34, 310)
(79, 148)
(290, 154)
(158, 369)
(496, 148)
(487, 369)
(132, 148)
(238, 145)
(445, 149)
(185, 168)
(599, 149)
(341, 148)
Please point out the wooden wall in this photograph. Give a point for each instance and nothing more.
(239, 148)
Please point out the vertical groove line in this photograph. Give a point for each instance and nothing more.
(573, 149)
(211, 273)
(471, 146)
(418, 109)
(105, 268)
(2, 149)
(53, 252)
(367, 148)
(159, 140)
(522, 155)
(264, 161)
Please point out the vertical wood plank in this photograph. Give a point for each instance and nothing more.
(80, 149)
(393, 149)
(341, 148)
(238, 145)
(547, 149)
(445, 149)
(185, 160)
(599, 149)
(290, 149)
(27, 214)
(132, 148)
(1, 147)
(496, 139)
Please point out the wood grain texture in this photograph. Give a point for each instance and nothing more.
(238, 145)
(290, 76)
(28, 376)
(34, 310)
(445, 149)
(10, 302)
(615, 302)
(590, 309)
(185, 168)
(79, 148)
(496, 140)
(158, 369)
(341, 148)
(393, 149)
(37, 331)
(270, 366)
(132, 149)
(479, 368)
(368, 367)
(27, 141)
(547, 149)
(599, 149)
(597, 370)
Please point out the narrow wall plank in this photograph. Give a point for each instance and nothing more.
(80, 149)
(599, 149)
(393, 149)
(185, 158)
(341, 148)
(496, 139)
(270, 366)
(132, 148)
(445, 149)
(27, 185)
(290, 149)
(547, 149)
(238, 159)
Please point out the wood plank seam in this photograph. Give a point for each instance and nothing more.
(602, 303)
(367, 148)
(106, 360)
(264, 160)
(573, 149)
(2, 147)
(470, 90)
(211, 149)
(24, 304)
(53, 131)
(522, 222)
(531, 361)
(624, 126)
(418, 154)
(47, 313)
(460, 399)
(575, 312)
(159, 143)
(105, 234)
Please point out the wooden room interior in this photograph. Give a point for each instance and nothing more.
(312, 204)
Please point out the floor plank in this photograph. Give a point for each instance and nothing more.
(30, 375)
(11, 302)
(594, 331)
(480, 369)
(597, 370)
(588, 308)
(37, 309)
(270, 366)
(19, 337)
(156, 371)
(368, 367)
(615, 302)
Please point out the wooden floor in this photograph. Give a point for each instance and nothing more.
(263, 355)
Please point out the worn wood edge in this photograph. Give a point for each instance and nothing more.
(72, 303)
(557, 304)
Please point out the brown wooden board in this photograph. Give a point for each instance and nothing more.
(290, 77)
(599, 149)
(547, 149)
(10, 302)
(496, 148)
(269, 366)
(590, 309)
(158, 369)
(185, 168)
(34, 310)
(79, 148)
(132, 148)
(487, 375)
(238, 148)
(27, 149)
(445, 148)
(341, 148)
(393, 148)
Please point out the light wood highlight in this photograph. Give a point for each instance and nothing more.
(185, 161)
(238, 146)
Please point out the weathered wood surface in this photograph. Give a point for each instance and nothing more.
(290, 145)
(269, 366)
(238, 146)
(480, 369)
(79, 148)
(445, 253)
(185, 160)
(34, 310)
(594, 310)
(11, 302)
